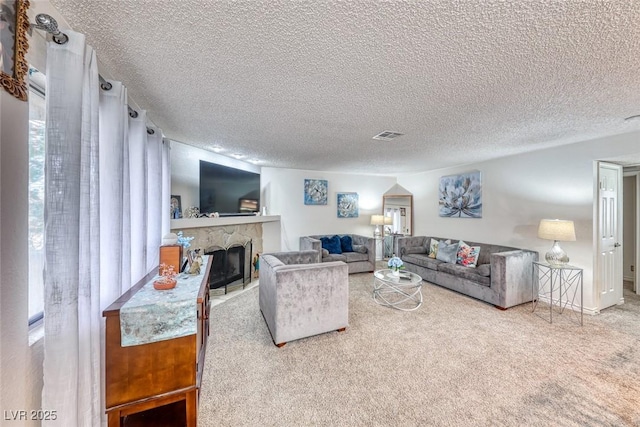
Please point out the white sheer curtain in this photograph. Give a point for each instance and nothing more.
(138, 195)
(93, 168)
(72, 248)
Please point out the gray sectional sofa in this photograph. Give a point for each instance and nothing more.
(361, 259)
(502, 277)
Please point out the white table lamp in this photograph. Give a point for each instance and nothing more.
(559, 231)
(377, 220)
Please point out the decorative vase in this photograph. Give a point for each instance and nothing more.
(164, 284)
(395, 273)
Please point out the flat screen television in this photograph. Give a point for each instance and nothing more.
(228, 191)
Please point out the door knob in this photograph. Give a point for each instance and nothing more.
(616, 245)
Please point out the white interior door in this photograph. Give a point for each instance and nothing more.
(609, 274)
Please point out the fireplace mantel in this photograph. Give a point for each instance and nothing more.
(264, 231)
(179, 224)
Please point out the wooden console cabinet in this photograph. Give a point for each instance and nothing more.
(155, 377)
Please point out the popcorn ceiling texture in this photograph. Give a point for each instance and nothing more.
(307, 84)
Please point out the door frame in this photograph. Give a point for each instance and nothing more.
(596, 221)
(637, 248)
(636, 261)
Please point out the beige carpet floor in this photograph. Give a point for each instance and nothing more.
(454, 362)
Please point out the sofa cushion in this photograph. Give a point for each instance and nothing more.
(447, 252)
(355, 256)
(467, 256)
(422, 260)
(332, 244)
(361, 249)
(334, 257)
(416, 250)
(484, 270)
(324, 252)
(464, 272)
(346, 243)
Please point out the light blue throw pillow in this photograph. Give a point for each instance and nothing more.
(447, 252)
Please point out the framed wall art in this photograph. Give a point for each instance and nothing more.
(14, 25)
(176, 206)
(316, 191)
(460, 196)
(347, 205)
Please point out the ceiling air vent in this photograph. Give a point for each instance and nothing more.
(387, 135)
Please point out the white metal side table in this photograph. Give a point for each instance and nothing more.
(403, 292)
(560, 286)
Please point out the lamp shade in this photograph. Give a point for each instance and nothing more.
(388, 220)
(557, 229)
(377, 220)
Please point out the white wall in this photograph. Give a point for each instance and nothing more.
(185, 170)
(520, 190)
(283, 194)
(18, 380)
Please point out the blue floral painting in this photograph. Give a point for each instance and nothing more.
(315, 191)
(460, 196)
(347, 205)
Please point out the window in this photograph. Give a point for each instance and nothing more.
(36, 194)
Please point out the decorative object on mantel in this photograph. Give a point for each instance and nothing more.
(192, 212)
(461, 195)
(176, 206)
(214, 215)
(167, 278)
(316, 191)
(556, 230)
(395, 264)
(347, 205)
(170, 239)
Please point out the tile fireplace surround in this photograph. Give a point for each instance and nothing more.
(262, 231)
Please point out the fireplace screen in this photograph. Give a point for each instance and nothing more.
(230, 266)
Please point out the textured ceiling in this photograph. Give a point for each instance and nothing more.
(307, 84)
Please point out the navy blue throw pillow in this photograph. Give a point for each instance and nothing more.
(332, 244)
(346, 244)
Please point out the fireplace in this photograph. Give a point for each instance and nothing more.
(230, 266)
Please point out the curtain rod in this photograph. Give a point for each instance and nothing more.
(50, 25)
(47, 23)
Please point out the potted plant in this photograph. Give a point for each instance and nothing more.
(395, 264)
(167, 279)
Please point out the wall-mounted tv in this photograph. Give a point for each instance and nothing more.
(228, 191)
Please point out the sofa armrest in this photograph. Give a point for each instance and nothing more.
(511, 276)
(369, 243)
(402, 243)
(297, 257)
(310, 244)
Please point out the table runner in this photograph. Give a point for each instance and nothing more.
(151, 315)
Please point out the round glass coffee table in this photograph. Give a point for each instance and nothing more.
(403, 292)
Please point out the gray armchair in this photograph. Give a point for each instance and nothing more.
(299, 296)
